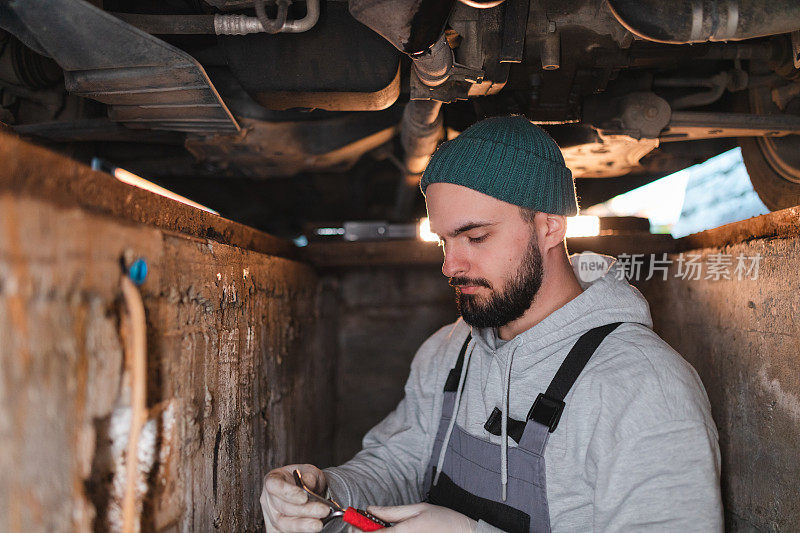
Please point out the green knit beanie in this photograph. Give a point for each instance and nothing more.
(510, 159)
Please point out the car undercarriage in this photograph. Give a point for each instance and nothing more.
(288, 116)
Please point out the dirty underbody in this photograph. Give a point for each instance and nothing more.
(332, 114)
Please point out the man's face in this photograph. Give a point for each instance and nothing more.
(491, 254)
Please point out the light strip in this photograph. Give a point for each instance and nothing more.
(583, 226)
(132, 179)
(425, 233)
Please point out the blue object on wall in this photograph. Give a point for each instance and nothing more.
(138, 271)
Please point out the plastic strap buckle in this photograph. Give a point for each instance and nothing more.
(546, 411)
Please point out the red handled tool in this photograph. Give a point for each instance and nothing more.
(356, 517)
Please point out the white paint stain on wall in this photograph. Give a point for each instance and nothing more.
(788, 402)
(118, 431)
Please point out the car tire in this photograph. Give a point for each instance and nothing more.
(773, 163)
(775, 177)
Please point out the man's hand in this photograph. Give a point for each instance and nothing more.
(424, 517)
(285, 505)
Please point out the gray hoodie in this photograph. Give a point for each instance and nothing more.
(636, 447)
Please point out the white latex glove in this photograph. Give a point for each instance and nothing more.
(424, 517)
(285, 505)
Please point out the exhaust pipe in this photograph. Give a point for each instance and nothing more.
(417, 30)
(699, 21)
(421, 130)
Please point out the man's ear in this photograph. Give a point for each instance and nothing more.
(552, 229)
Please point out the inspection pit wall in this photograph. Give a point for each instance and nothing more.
(380, 316)
(742, 335)
(237, 380)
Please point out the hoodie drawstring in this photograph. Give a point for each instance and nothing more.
(503, 419)
(460, 389)
(504, 424)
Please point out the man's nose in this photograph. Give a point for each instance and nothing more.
(454, 264)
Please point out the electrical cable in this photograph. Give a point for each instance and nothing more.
(136, 362)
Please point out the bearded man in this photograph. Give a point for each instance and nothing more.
(550, 405)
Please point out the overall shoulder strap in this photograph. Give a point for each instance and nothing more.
(451, 385)
(549, 405)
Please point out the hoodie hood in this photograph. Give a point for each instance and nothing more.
(607, 298)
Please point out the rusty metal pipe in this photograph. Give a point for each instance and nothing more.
(421, 130)
(694, 21)
(222, 24)
(305, 23)
(433, 67)
(136, 365)
(272, 25)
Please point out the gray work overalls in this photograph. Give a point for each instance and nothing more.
(470, 479)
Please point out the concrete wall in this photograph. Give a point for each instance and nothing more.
(743, 337)
(381, 315)
(239, 380)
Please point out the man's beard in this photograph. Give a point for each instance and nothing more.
(516, 296)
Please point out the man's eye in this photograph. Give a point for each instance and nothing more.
(477, 239)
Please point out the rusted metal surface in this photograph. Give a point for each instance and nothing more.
(272, 149)
(146, 82)
(31, 171)
(609, 156)
(334, 100)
